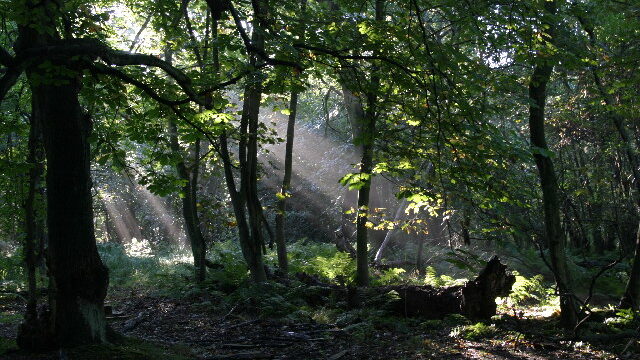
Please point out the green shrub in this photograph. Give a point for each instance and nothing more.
(474, 332)
(233, 270)
(268, 299)
(126, 270)
(530, 291)
(322, 260)
(10, 318)
(325, 315)
(432, 278)
(135, 265)
(389, 276)
(625, 318)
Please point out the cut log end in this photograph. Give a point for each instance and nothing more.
(478, 298)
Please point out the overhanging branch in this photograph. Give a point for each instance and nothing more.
(251, 48)
(152, 93)
(106, 70)
(94, 48)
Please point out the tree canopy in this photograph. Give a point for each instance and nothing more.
(425, 131)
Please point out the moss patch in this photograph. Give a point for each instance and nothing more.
(10, 317)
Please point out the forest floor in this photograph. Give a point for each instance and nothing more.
(192, 327)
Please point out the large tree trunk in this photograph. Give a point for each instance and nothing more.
(75, 268)
(33, 227)
(549, 184)
(80, 278)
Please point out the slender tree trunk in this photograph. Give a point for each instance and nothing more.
(190, 215)
(252, 246)
(237, 201)
(420, 256)
(631, 297)
(355, 110)
(286, 183)
(464, 226)
(549, 185)
(548, 182)
(388, 236)
(288, 164)
(189, 199)
(366, 167)
(362, 253)
(250, 222)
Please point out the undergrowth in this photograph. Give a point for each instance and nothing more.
(169, 272)
(474, 332)
(11, 272)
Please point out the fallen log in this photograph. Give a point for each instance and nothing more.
(476, 299)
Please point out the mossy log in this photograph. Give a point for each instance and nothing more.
(476, 299)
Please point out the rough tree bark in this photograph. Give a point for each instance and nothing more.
(33, 226)
(80, 278)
